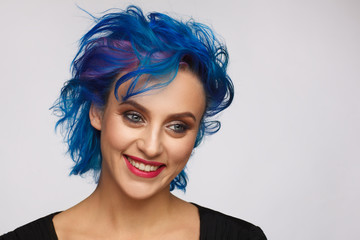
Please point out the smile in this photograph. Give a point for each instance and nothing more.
(143, 168)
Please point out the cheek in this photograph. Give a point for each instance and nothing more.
(180, 151)
(116, 136)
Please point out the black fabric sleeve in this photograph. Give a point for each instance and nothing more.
(218, 226)
(41, 229)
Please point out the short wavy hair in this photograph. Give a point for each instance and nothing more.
(127, 41)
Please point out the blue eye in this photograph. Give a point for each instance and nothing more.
(178, 128)
(133, 117)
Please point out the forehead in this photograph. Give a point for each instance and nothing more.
(184, 93)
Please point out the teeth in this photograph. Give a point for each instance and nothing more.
(143, 167)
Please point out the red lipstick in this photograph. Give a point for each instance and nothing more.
(142, 173)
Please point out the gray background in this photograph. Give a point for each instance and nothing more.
(287, 156)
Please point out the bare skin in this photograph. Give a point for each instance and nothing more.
(165, 217)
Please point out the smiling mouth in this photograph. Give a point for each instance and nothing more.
(143, 167)
(140, 165)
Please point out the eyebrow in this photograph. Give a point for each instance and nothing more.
(143, 109)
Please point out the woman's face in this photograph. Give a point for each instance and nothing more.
(147, 140)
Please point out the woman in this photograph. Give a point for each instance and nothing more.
(141, 98)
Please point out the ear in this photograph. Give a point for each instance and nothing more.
(95, 115)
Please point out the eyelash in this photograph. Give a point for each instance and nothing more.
(183, 127)
(130, 117)
(137, 118)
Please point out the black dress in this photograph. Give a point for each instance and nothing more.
(213, 226)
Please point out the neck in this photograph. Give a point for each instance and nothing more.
(113, 208)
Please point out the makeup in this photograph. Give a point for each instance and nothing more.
(143, 168)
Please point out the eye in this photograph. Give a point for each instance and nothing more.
(133, 117)
(178, 127)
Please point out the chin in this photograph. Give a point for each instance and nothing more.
(142, 191)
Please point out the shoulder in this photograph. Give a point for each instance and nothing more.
(216, 225)
(41, 228)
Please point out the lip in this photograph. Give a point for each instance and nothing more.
(140, 173)
(156, 164)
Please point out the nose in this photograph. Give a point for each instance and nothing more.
(150, 142)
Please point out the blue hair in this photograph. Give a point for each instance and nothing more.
(129, 42)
